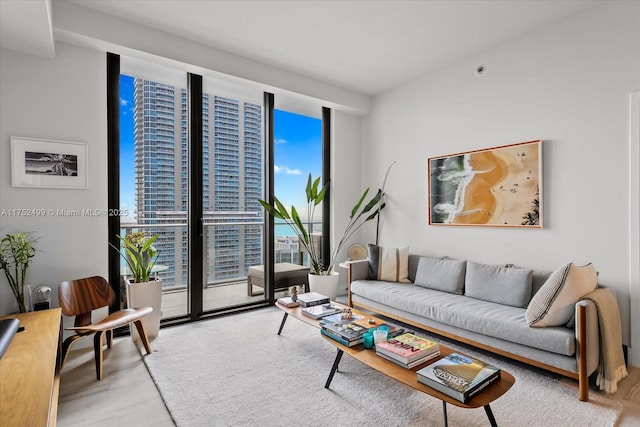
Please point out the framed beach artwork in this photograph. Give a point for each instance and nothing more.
(48, 164)
(492, 187)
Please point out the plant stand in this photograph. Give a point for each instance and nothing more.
(325, 284)
(146, 294)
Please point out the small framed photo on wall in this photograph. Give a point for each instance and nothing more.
(42, 163)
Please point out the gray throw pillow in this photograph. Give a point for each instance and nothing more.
(441, 274)
(499, 284)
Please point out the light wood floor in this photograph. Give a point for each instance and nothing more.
(126, 396)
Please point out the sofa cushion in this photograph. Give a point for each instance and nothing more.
(554, 303)
(441, 274)
(487, 318)
(390, 264)
(499, 284)
(537, 278)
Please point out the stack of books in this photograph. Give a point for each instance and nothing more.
(348, 332)
(320, 311)
(309, 299)
(458, 376)
(408, 350)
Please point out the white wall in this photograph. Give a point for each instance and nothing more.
(61, 99)
(346, 188)
(568, 85)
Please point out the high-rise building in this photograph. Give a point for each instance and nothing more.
(232, 179)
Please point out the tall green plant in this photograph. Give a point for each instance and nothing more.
(360, 214)
(16, 253)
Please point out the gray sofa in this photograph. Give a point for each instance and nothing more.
(487, 313)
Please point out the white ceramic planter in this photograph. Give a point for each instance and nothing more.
(325, 284)
(146, 294)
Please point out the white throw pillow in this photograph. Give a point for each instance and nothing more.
(389, 264)
(554, 303)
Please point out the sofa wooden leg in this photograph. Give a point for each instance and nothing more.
(583, 378)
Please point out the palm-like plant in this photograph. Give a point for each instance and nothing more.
(360, 214)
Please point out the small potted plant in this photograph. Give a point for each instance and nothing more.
(16, 254)
(321, 269)
(143, 289)
(139, 254)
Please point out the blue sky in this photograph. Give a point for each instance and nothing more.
(298, 152)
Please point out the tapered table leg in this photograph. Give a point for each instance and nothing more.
(334, 368)
(492, 419)
(284, 319)
(444, 413)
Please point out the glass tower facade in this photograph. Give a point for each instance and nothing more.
(232, 179)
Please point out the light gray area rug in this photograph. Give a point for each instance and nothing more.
(235, 371)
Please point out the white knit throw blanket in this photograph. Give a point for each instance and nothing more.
(612, 368)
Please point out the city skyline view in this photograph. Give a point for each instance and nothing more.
(154, 178)
(297, 152)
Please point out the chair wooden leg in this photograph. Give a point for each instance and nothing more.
(97, 348)
(143, 335)
(109, 338)
(66, 345)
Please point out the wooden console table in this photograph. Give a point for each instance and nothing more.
(29, 374)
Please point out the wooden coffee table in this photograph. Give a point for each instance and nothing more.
(400, 374)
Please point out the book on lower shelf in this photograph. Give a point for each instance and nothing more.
(340, 339)
(309, 299)
(407, 347)
(458, 376)
(348, 330)
(413, 364)
(320, 311)
(288, 302)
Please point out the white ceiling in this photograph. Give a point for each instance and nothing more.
(366, 46)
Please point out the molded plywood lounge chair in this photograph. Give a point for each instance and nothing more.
(79, 298)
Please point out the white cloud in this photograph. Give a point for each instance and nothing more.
(124, 102)
(280, 141)
(286, 170)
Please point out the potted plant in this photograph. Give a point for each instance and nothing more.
(360, 214)
(143, 290)
(139, 254)
(16, 253)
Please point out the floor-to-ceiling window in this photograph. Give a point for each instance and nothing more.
(232, 177)
(153, 170)
(297, 153)
(155, 181)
